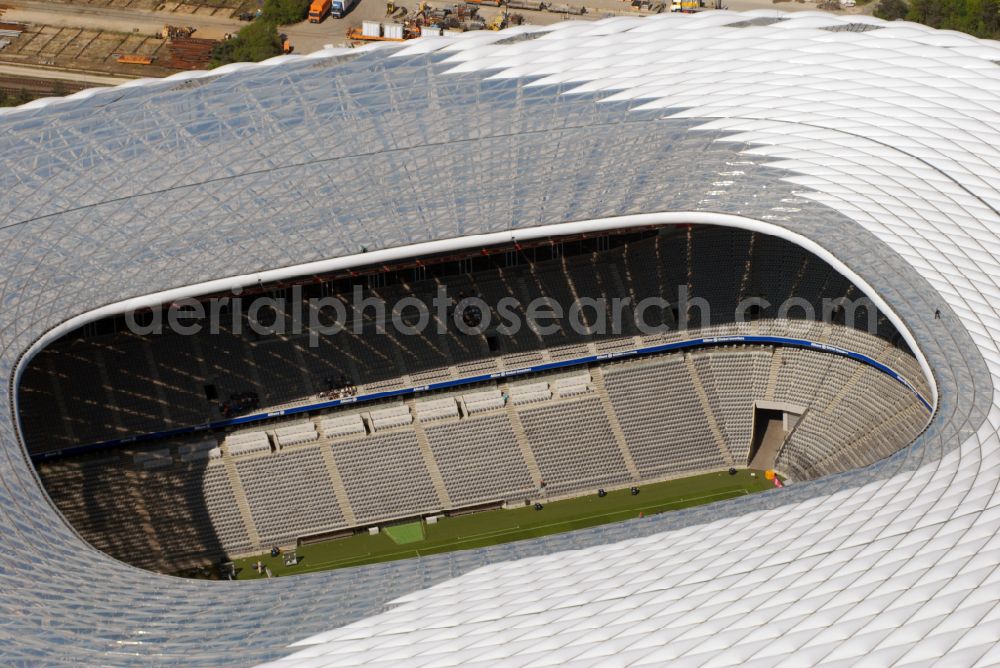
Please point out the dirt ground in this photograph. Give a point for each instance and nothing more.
(83, 49)
(311, 37)
(116, 18)
(221, 8)
(88, 35)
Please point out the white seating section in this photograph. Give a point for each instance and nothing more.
(664, 423)
(836, 432)
(297, 434)
(385, 476)
(529, 393)
(387, 418)
(247, 442)
(479, 402)
(436, 409)
(346, 425)
(802, 374)
(733, 379)
(480, 461)
(290, 495)
(574, 446)
(567, 386)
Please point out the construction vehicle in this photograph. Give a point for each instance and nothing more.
(175, 32)
(286, 46)
(686, 6)
(318, 10)
(338, 8)
(498, 22)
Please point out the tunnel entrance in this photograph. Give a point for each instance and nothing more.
(771, 425)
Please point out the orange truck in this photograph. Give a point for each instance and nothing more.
(318, 10)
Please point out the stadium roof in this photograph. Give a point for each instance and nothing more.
(878, 143)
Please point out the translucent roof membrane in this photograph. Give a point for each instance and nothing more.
(880, 146)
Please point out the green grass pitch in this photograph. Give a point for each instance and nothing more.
(409, 532)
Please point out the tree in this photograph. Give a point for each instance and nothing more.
(991, 18)
(933, 13)
(284, 12)
(254, 43)
(891, 10)
(975, 17)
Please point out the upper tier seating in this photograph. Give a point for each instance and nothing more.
(85, 390)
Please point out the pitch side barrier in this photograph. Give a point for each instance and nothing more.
(549, 366)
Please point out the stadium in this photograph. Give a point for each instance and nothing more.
(286, 306)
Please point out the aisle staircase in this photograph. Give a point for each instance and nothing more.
(597, 376)
(428, 455)
(337, 483)
(241, 501)
(523, 444)
(720, 440)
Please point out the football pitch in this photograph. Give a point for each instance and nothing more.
(466, 532)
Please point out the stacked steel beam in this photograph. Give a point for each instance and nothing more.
(189, 53)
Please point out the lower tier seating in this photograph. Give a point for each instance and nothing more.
(168, 504)
(480, 460)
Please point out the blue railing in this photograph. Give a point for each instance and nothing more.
(589, 359)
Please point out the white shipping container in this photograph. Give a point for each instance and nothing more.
(371, 28)
(430, 31)
(394, 30)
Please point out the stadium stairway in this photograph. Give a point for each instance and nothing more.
(522, 441)
(241, 500)
(597, 376)
(772, 378)
(146, 522)
(713, 424)
(845, 389)
(337, 483)
(428, 456)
